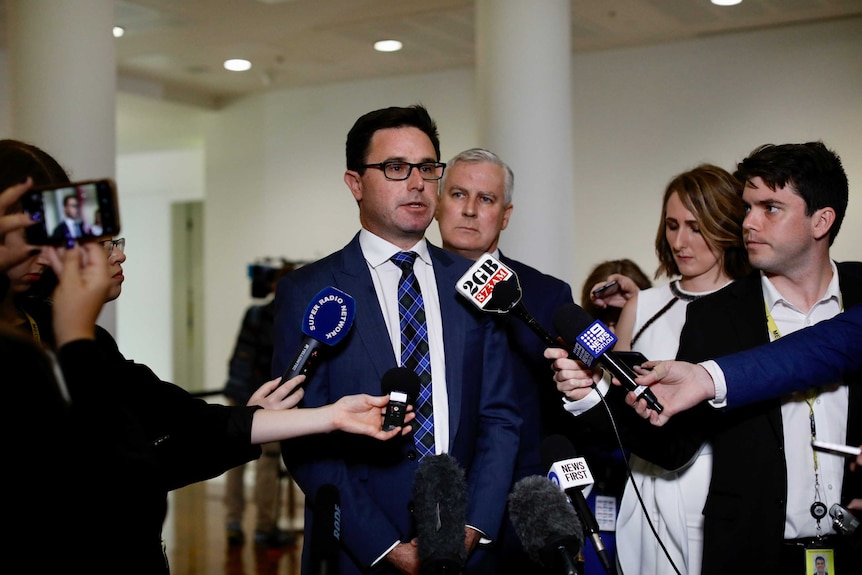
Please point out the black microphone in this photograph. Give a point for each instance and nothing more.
(494, 287)
(546, 524)
(570, 473)
(440, 508)
(328, 318)
(326, 531)
(593, 343)
(401, 384)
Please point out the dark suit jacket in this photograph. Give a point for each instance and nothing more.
(745, 507)
(541, 403)
(820, 354)
(374, 478)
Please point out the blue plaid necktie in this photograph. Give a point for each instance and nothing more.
(415, 352)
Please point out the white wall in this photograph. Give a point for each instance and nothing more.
(148, 183)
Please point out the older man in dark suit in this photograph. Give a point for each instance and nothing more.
(474, 208)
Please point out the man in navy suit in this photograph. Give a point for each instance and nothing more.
(393, 170)
(813, 356)
(767, 483)
(474, 208)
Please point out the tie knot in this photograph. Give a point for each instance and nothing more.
(404, 260)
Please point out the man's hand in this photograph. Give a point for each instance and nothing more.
(678, 385)
(573, 379)
(405, 558)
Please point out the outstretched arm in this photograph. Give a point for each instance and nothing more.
(360, 414)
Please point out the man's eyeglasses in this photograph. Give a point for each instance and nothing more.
(109, 245)
(398, 171)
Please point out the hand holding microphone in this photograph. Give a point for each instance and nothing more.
(328, 318)
(493, 287)
(593, 343)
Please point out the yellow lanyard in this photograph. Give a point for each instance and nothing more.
(818, 509)
(33, 327)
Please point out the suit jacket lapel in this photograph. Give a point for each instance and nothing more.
(454, 328)
(353, 277)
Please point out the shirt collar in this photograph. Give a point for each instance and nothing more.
(377, 251)
(772, 296)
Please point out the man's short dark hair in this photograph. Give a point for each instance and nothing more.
(359, 136)
(814, 171)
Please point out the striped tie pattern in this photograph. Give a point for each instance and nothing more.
(415, 352)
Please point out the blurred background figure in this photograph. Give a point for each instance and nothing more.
(604, 272)
(248, 369)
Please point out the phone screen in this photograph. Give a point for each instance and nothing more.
(77, 211)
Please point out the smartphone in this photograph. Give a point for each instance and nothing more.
(836, 448)
(79, 211)
(631, 358)
(609, 288)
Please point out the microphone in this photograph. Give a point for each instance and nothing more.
(328, 318)
(546, 524)
(570, 473)
(402, 386)
(494, 287)
(593, 342)
(440, 507)
(326, 531)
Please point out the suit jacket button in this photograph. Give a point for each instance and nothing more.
(411, 455)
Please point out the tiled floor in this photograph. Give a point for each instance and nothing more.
(194, 533)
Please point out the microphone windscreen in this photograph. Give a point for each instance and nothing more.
(401, 379)
(556, 448)
(570, 321)
(543, 519)
(440, 508)
(505, 295)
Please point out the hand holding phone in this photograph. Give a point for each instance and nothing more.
(607, 289)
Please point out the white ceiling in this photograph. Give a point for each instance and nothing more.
(181, 44)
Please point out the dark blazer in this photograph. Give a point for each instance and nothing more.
(541, 403)
(745, 506)
(820, 354)
(375, 479)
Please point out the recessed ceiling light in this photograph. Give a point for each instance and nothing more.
(388, 45)
(119, 31)
(237, 65)
(726, 2)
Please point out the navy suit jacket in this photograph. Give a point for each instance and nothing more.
(541, 403)
(818, 355)
(745, 506)
(374, 478)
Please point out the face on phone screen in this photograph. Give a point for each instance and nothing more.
(72, 212)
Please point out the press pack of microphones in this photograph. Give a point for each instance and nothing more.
(494, 288)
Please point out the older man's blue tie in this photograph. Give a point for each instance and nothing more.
(415, 352)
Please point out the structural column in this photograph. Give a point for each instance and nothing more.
(62, 75)
(524, 88)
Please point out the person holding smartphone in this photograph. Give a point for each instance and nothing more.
(115, 439)
(699, 241)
